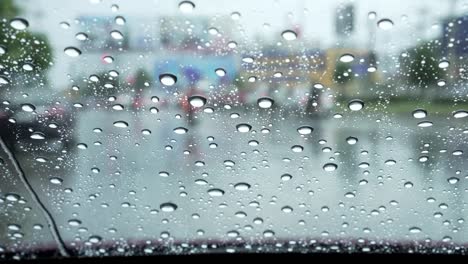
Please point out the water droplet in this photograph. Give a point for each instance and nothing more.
(419, 113)
(460, 114)
(154, 110)
(82, 146)
(213, 31)
(385, 24)
(423, 158)
(443, 206)
(220, 72)
(4, 80)
(408, 184)
(268, 233)
(243, 128)
(28, 107)
(186, 7)
(37, 135)
(201, 182)
(215, 192)
(56, 180)
(19, 23)
(441, 83)
(208, 110)
(113, 73)
(425, 124)
(390, 162)
(108, 59)
(277, 74)
(229, 163)
(318, 86)
(355, 105)
(242, 186)
(457, 152)
(118, 107)
(248, 59)
(453, 180)
(164, 174)
(72, 51)
(252, 79)
(117, 35)
(94, 239)
(120, 124)
(330, 167)
(199, 163)
(363, 165)
(289, 35)
(12, 197)
(305, 130)
(197, 101)
(347, 58)
(94, 78)
(3, 50)
(235, 15)
(146, 132)
(350, 195)
(120, 20)
(28, 67)
(351, 140)
(297, 148)
(233, 233)
(81, 36)
(415, 230)
(74, 222)
(232, 44)
(444, 64)
(265, 102)
(167, 79)
(64, 25)
(287, 209)
(372, 15)
(114, 8)
(286, 177)
(180, 130)
(258, 221)
(168, 207)
(41, 159)
(253, 143)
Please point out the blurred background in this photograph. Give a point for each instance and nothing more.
(135, 122)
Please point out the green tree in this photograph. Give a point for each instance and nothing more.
(421, 65)
(142, 79)
(21, 46)
(339, 75)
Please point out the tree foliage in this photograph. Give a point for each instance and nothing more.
(421, 65)
(21, 46)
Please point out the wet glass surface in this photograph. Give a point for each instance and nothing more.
(189, 127)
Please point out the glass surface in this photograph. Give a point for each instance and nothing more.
(166, 127)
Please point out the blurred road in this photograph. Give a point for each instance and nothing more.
(126, 178)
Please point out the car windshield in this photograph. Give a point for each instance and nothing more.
(137, 128)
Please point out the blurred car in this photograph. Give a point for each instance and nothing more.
(40, 113)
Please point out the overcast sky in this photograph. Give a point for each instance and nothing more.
(415, 18)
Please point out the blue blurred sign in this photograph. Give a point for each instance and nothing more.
(191, 69)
